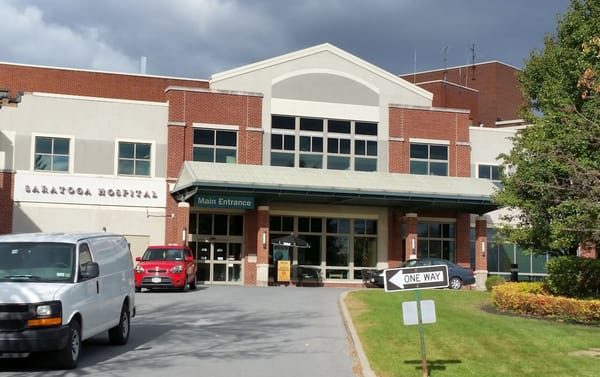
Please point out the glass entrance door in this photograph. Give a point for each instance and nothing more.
(219, 262)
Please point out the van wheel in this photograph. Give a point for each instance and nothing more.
(119, 334)
(138, 289)
(193, 284)
(67, 357)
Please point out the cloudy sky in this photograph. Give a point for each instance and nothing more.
(196, 38)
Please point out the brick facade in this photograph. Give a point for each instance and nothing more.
(7, 180)
(20, 78)
(451, 126)
(499, 96)
(192, 103)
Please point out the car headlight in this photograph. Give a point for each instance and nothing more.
(138, 269)
(177, 269)
(46, 314)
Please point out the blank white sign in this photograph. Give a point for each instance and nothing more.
(410, 316)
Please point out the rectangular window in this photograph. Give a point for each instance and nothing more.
(311, 124)
(338, 126)
(134, 158)
(283, 122)
(437, 240)
(429, 159)
(366, 155)
(312, 148)
(365, 128)
(338, 154)
(283, 150)
(491, 172)
(215, 146)
(52, 153)
(323, 143)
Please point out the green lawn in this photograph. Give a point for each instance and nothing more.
(467, 340)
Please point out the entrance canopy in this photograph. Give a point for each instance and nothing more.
(273, 184)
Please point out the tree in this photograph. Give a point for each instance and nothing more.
(552, 175)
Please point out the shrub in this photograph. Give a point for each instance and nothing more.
(534, 300)
(574, 277)
(493, 280)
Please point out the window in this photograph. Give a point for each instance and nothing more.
(134, 158)
(282, 150)
(311, 155)
(367, 150)
(429, 159)
(334, 144)
(338, 157)
(491, 172)
(52, 153)
(215, 146)
(340, 248)
(437, 240)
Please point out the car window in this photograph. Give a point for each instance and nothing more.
(410, 263)
(163, 254)
(175, 254)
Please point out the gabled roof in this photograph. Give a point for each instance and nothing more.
(271, 184)
(325, 47)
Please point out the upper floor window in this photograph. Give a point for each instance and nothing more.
(429, 159)
(323, 143)
(134, 158)
(215, 145)
(491, 172)
(52, 153)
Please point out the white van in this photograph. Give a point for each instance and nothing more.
(57, 289)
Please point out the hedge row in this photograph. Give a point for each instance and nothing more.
(533, 300)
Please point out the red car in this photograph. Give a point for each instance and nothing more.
(171, 267)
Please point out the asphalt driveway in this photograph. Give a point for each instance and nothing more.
(222, 331)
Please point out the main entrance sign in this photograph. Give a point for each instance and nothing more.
(408, 278)
(214, 201)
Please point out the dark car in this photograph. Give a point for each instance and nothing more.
(457, 275)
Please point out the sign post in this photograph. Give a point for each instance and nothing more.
(415, 278)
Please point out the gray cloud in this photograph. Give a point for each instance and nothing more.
(196, 38)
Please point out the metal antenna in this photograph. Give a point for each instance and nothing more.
(444, 51)
(473, 60)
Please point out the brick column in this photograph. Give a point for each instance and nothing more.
(182, 223)
(463, 239)
(481, 253)
(7, 188)
(412, 244)
(395, 218)
(263, 240)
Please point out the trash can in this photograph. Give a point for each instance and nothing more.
(514, 272)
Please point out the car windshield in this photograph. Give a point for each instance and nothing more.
(37, 262)
(163, 254)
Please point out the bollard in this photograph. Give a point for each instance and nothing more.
(514, 272)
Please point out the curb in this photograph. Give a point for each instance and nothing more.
(356, 345)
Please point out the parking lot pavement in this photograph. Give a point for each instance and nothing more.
(222, 331)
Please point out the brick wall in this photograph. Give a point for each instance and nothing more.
(407, 123)
(449, 95)
(88, 83)
(187, 107)
(7, 180)
(497, 84)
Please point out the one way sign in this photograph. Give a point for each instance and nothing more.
(407, 278)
